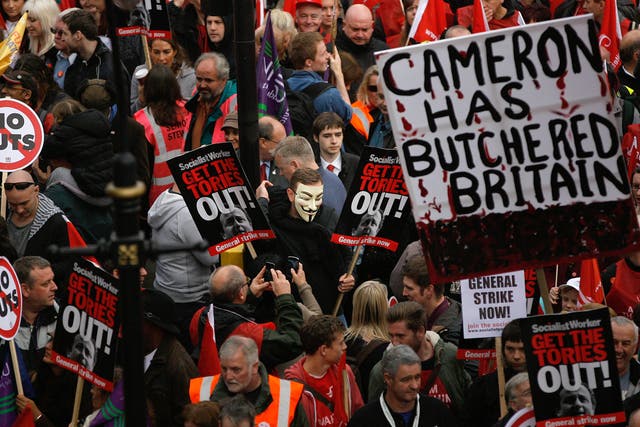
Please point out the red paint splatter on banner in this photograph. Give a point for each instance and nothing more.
(422, 188)
(560, 83)
(407, 126)
(459, 94)
(445, 174)
(454, 215)
(536, 83)
(476, 119)
(603, 86)
(400, 106)
(564, 103)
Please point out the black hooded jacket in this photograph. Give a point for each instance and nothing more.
(84, 139)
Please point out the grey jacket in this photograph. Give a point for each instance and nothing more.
(184, 276)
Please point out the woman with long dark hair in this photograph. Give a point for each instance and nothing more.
(165, 120)
(169, 53)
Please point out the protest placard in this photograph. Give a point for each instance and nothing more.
(490, 302)
(219, 197)
(510, 161)
(572, 369)
(87, 328)
(377, 204)
(10, 300)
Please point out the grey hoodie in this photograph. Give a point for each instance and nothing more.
(184, 276)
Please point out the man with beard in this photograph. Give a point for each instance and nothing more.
(214, 99)
(277, 401)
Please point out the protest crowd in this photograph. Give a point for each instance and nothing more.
(327, 315)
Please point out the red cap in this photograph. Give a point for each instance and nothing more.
(311, 2)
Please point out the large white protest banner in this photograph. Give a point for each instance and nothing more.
(509, 148)
(490, 302)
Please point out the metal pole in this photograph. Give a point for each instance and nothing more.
(126, 192)
(244, 24)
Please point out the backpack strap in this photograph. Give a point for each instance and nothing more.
(316, 89)
(319, 396)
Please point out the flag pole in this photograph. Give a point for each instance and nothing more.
(76, 402)
(352, 265)
(16, 366)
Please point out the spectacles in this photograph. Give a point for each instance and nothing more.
(635, 187)
(55, 32)
(19, 185)
(372, 88)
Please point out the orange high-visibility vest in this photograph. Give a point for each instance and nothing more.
(285, 397)
(167, 142)
(361, 119)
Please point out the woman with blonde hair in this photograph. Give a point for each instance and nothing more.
(284, 30)
(42, 16)
(367, 337)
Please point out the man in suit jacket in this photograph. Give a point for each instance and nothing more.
(328, 131)
(270, 133)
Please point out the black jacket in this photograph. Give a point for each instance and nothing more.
(84, 139)
(99, 66)
(433, 413)
(324, 262)
(166, 382)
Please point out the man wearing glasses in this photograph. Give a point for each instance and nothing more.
(35, 222)
(64, 56)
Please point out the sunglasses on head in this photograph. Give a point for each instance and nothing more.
(372, 88)
(19, 185)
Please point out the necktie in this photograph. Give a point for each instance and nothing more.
(263, 172)
(331, 168)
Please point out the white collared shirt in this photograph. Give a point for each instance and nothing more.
(337, 164)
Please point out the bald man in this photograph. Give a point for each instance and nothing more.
(270, 133)
(35, 222)
(356, 37)
(277, 341)
(629, 55)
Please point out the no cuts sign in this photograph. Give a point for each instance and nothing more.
(21, 135)
(10, 300)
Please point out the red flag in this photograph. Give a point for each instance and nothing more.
(209, 361)
(290, 6)
(590, 282)
(25, 419)
(479, 24)
(630, 147)
(610, 34)
(259, 13)
(430, 21)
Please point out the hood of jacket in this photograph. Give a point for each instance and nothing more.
(165, 208)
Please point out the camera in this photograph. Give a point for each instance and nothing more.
(267, 274)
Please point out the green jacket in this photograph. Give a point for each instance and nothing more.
(221, 392)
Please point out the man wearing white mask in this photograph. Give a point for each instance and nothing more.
(325, 263)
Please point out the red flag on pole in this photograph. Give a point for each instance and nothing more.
(610, 34)
(25, 419)
(479, 24)
(590, 282)
(430, 21)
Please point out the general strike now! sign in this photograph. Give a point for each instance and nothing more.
(509, 148)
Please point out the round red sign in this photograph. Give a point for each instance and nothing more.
(10, 300)
(21, 135)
